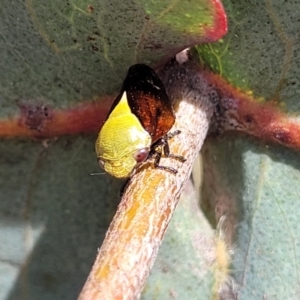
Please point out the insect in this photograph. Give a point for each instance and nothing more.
(138, 124)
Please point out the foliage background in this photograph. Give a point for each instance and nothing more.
(54, 215)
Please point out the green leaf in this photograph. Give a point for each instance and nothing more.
(261, 50)
(64, 52)
(53, 214)
(256, 187)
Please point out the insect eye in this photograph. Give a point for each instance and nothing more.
(101, 163)
(141, 155)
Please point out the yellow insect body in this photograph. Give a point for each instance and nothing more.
(120, 138)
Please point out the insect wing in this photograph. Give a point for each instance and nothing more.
(149, 101)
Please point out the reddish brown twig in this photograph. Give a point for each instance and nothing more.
(240, 111)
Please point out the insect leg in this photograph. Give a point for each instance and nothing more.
(172, 134)
(156, 164)
(166, 147)
(161, 148)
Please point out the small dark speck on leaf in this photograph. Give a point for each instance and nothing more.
(95, 48)
(90, 8)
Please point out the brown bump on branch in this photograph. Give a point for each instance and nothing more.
(41, 121)
(135, 234)
(36, 116)
(240, 111)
